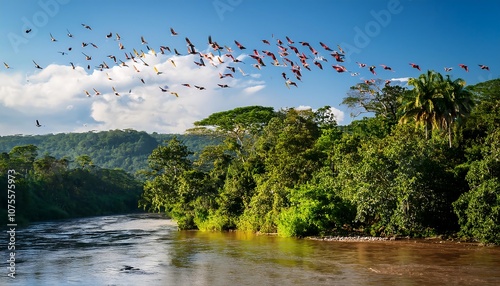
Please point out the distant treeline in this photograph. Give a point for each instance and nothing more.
(115, 149)
(46, 188)
(427, 163)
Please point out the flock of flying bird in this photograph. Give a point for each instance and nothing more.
(295, 56)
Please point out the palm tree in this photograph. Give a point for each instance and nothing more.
(422, 103)
(436, 102)
(457, 105)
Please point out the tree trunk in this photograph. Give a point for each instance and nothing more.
(449, 133)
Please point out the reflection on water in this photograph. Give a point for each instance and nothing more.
(145, 249)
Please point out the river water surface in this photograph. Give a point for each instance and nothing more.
(145, 249)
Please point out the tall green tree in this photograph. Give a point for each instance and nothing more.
(422, 105)
(238, 125)
(437, 103)
(167, 165)
(382, 99)
(287, 151)
(478, 210)
(22, 158)
(456, 105)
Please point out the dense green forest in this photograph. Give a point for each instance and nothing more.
(115, 149)
(80, 174)
(427, 163)
(46, 188)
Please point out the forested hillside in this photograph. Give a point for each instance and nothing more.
(123, 149)
(45, 188)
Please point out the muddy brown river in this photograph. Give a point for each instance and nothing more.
(146, 249)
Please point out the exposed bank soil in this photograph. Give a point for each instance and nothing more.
(355, 238)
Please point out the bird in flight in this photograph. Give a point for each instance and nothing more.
(87, 57)
(116, 92)
(38, 123)
(466, 68)
(69, 34)
(6, 65)
(86, 26)
(447, 69)
(240, 46)
(174, 33)
(288, 83)
(483, 67)
(415, 66)
(372, 70)
(37, 66)
(361, 65)
(340, 49)
(157, 71)
(325, 47)
(339, 68)
(386, 67)
(52, 38)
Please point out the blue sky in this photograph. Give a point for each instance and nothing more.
(432, 34)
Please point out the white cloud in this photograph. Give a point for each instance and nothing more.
(401, 79)
(303, 107)
(56, 95)
(339, 115)
(253, 89)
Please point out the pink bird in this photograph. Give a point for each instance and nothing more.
(466, 68)
(339, 68)
(415, 66)
(361, 65)
(372, 70)
(240, 46)
(483, 67)
(318, 64)
(386, 67)
(325, 47)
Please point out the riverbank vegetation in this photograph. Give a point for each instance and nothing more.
(427, 163)
(46, 188)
